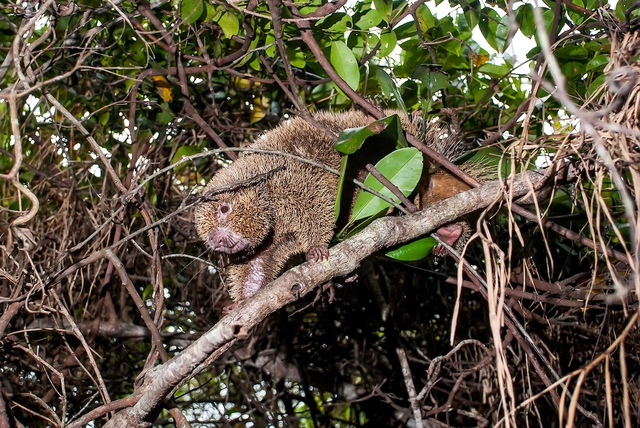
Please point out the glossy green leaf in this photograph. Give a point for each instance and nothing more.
(499, 71)
(579, 51)
(352, 139)
(494, 28)
(425, 19)
(270, 41)
(388, 43)
(384, 7)
(229, 23)
(595, 85)
(573, 69)
(413, 251)
(191, 10)
(337, 23)
(296, 57)
(166, 115)
(472, 18)
(185, 151)
(389, 88)
(210, 12)
(433, 81)
(403, 168)
(104, 118)
(526, 20)
(369, 20)
(345, 64)
(597, 62)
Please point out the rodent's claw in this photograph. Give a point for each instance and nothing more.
(229, 308)
(439, 251)
(318, 253)
(449, 235)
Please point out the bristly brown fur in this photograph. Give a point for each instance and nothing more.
(290, 212)
(261, 226)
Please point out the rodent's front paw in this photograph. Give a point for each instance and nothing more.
(318, 253)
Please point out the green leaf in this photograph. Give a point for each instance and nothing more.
(432, 81)
(425, 18)
(345, 64)
(526, 20)
(229, 24)
(595, 85)
(389, 88)
(493, 70)
(403, 168)
(147, 292)
(494, 29)
(502, 33)
(369, 20)
(296, 57)
(211, 12)
(488, 159)
(270, 40)
(472, 17)
(384, 7)
(183, 152)
(572, 52)
(416, 250)
(191, 10)
(548, 16)
(597, 62)
(166, 115)
(350, 140)
(573, 69)
(454, 47)
(388, 41)
(337, 23)
(104, 118)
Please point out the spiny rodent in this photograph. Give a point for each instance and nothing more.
(290, 211)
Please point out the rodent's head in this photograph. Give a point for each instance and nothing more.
(235, 222)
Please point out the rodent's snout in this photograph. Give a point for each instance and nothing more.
(227, 241)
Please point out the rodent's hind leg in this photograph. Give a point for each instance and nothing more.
(317, 253)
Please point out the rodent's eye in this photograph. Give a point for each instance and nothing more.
(224, 208)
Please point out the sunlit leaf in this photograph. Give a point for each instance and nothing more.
(415, 250)
(369, 20)
(388, 42)
(345, 64)
(389, 88)
(165, 89)
(229, 23)
(402, 168)
(260, 108)
(350, 140)
(191, 10)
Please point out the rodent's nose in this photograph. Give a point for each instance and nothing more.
(216, 240)
(221, 240)
(227, 241)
